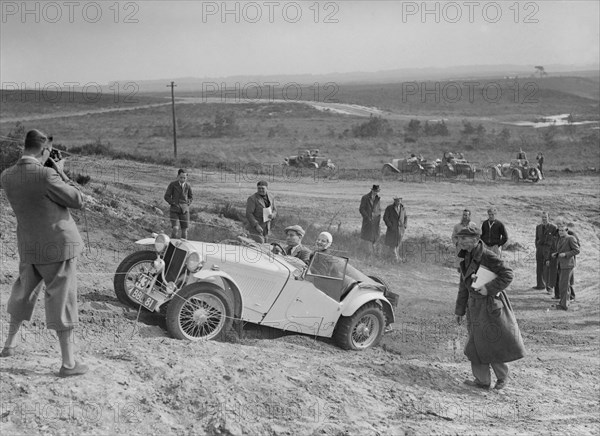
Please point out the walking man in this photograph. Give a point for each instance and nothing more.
(395, 219)
(260, 211)
(543, 245)
(494, 336)
(370, 210)
(179, 196)
(49, 244)
(493, 233)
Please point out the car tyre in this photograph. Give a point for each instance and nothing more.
(125, 275)
(362, 330)
(200, 311)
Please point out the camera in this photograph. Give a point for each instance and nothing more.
(55, 155)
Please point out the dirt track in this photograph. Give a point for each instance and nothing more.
(143, 382)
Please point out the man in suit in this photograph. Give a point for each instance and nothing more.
(179, 196)
(48, 243)
(543, 243)
(370, 210)
(395, 219)
(567, 248)
(493, 233)
(260, 211)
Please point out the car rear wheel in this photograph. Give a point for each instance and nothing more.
(362, 330)
(200, 311)
(127, 273)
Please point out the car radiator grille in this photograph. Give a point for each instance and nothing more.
(174, 262)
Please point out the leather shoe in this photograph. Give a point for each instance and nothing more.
(78, 369)
(476, 384)
(500, 384)
(8, 352)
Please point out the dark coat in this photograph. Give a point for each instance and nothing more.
(396, 224)
(179, 197)
(494, 234)
(544, 238)
(494, 334)
(254, 211)
(370, 210)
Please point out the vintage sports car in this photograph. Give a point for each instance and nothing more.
(203, 287)
(518, 169)
(454, 164)
(413, 164)
(309, 159)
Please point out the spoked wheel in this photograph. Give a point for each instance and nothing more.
(128, 272)
(200, 311)
(362, 330)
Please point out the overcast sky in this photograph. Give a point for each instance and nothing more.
(84, 42)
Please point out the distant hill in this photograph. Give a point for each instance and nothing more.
(467, 72)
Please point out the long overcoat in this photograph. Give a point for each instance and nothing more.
(395, 223)
(370, 210)
(494, 334)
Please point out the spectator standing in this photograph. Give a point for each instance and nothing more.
(493, 233)
(179, 196)
(543, 247)
(567, 248)
(540, 161)
(49, 244)
(395, 219)
(370, 210)
(260, 212)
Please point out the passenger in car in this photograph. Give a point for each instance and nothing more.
(325, 264)
(293, 238)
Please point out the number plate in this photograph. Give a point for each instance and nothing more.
(140, 297)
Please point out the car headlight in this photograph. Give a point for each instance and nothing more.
(194, 261)
(161, 242)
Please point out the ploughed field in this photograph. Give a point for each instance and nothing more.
(144, 382)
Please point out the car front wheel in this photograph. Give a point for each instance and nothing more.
(128, 272)
(362, 330)
(200, 311)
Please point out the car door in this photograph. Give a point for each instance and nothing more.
(311, 303)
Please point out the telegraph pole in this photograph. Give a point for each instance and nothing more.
(172, 86)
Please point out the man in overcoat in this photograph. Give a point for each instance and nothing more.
(543, 244)
(370, 210)
(494, 336)
(260, 211)
(395, 219)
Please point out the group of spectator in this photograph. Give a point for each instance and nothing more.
(557, 247)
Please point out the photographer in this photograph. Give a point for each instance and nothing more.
(179, 196)
(49, 244)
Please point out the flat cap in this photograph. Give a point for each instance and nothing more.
(296, 229)
(262, 183)
(470, 230)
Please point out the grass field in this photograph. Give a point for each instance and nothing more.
(267, 132)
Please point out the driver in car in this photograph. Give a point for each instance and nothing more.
(293, 238)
